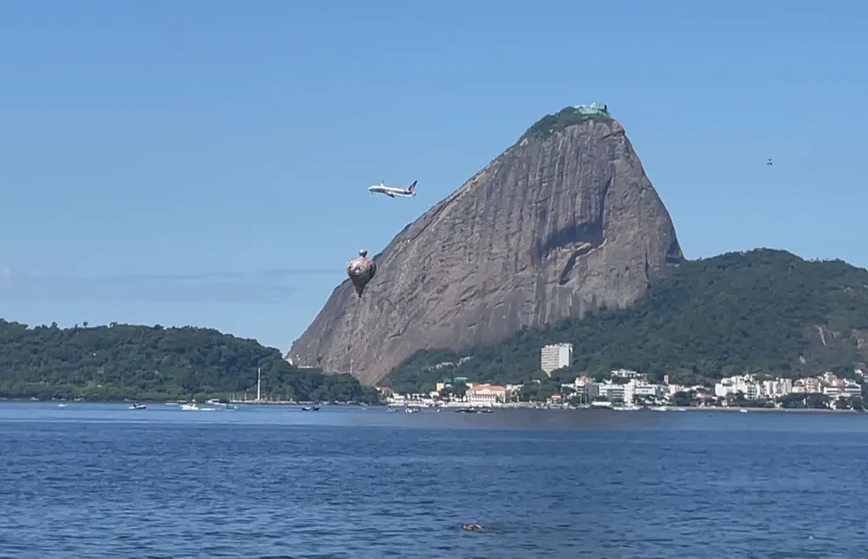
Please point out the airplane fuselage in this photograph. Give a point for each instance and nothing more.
(392, 191)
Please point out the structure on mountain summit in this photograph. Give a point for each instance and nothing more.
(598, 109)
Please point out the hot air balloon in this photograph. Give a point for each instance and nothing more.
(361, 271)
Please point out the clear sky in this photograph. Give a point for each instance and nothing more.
(206, 162)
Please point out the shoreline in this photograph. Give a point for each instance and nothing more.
(670, 409)
(765, 410)
(173, 402)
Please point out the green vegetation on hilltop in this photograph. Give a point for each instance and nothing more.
(764, 311)
(154, 363)
(552, 123)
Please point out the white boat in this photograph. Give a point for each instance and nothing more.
(190, 407)
(138, 406)
(628, 407)
(411, 410)
(61, 405)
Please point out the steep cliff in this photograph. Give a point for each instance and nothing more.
(562, 223)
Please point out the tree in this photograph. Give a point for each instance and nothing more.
(546, 391)
(459, 389)
(842, 403)
(793, 400)
(126, 361)
(817, 401)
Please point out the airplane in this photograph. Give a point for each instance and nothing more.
(392, 191)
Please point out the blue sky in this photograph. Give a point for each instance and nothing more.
(206, 162)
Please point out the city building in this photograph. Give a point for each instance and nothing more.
(643, 390)
(486, 395)
(611, 392)
(733, 385)
(626, 373)
(555, 356)
(586, 388)
(843, 389)
(776, 388)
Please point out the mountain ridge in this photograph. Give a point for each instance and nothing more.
(762, 310)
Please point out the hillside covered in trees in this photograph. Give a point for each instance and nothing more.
(123, 361)
(763, 311)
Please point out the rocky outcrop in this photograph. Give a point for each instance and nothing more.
(563, 223)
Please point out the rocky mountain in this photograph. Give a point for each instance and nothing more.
(563, 223)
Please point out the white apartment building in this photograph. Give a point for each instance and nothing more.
(555, 356)
(776, 388)
(612, 392)
(732, 385)
(807, 386)
(643, 390)
(585, 387)
(843, 388)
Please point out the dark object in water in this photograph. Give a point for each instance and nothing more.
(472, 527)
(312, 408)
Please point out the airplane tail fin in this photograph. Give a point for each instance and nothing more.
(412, 188)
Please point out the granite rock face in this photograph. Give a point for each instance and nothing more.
(563, 223)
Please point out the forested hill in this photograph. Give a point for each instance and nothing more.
(761, 311)
(154, 363)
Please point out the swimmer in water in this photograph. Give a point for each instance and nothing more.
(472, 527)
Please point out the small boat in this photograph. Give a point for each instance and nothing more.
(627, 407)
(138, 406)
(61, 405)
(190, 407)
(411, 410)
(310, 408)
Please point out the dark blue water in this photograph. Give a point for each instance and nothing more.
(90, 481)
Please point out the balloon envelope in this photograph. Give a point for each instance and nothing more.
(360, 271)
